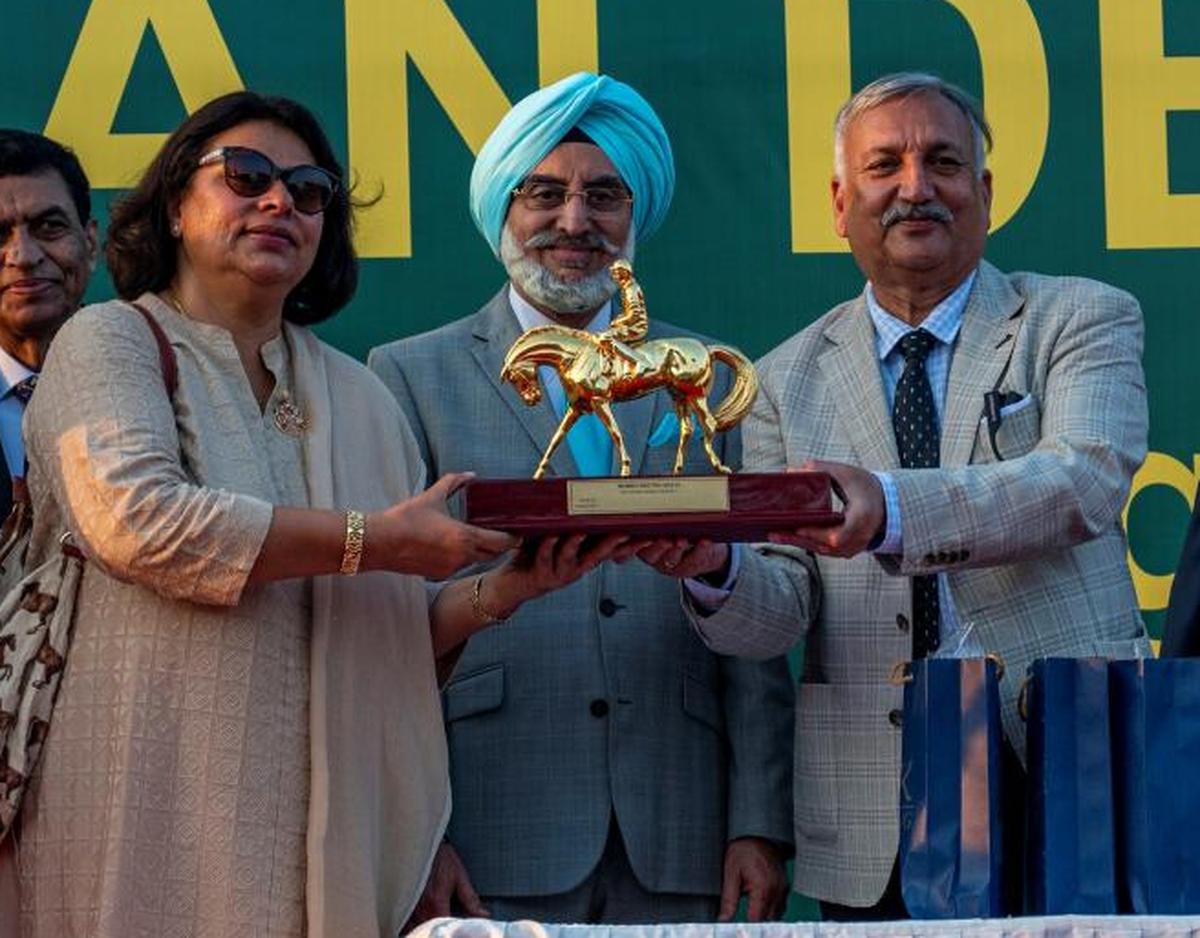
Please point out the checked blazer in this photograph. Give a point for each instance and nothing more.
(599, 699)
(1028, 531)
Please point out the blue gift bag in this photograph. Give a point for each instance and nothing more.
(950, 824)
(1070, 865)
(1155, 714)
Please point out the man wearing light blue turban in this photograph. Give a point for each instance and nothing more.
(609, 113)
(606, 766)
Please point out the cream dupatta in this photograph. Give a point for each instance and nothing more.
(379, 800)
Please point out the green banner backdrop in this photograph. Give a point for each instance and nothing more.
(1095, 105)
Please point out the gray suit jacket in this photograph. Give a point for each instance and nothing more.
(1029, 533)
(597, 699)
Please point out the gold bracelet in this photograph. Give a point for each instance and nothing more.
(356, 533)
(482, 613)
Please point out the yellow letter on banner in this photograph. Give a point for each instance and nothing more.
(1016, 88)
(817, 35)
(91, 91)
(381, 36)
(568, 39)
(1153, 590)
(1140, 84)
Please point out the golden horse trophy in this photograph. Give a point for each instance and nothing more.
(620, 364)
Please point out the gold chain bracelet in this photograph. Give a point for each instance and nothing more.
(482, 613)
(356, 533)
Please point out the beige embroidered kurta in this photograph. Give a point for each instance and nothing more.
(173, 796)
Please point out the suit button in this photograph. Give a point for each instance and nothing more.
(902, 622)
(608, 608)
(599, 708)
(895, 717)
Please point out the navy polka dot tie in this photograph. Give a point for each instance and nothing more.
(914, 422)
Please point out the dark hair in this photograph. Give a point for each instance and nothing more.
(141, 251)
(25, 154)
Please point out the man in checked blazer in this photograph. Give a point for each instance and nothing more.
(1040, 424)
(605, 765)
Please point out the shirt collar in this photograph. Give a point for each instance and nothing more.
(12, 373)
(943, 321)
(530, 316)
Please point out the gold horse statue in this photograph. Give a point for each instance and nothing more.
(620, 364)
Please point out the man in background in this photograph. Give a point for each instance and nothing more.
(48, 248)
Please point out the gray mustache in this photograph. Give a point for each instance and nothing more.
(593, 242)
(900, 211)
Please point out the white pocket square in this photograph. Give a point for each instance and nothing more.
(1016, 406)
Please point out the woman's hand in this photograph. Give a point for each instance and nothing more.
(418, 535)
(553, 563)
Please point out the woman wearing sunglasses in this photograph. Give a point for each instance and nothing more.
(247, 737)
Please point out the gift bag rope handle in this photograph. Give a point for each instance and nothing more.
(902, 670)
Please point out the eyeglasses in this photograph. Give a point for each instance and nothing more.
(547, 196)
(250, 174)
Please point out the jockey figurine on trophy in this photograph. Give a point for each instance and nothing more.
(620, 364)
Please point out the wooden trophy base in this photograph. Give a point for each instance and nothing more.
(729, 508)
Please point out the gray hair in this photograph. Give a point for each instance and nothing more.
(902, 85)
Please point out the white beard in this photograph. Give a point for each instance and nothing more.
(570, 297)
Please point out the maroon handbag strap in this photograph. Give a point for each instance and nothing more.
(166, 354)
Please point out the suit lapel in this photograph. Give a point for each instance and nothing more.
(852, 369)
(495, 331)
(985, 343)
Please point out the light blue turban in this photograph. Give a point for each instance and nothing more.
(612, 114)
